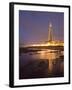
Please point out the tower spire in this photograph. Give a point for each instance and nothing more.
(50, 36)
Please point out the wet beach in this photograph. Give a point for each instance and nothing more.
(41, 63)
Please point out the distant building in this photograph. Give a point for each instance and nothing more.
(50, 34)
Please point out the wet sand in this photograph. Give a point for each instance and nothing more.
(40, 64)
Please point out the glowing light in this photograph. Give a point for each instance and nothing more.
(50, 25)
(52, 43)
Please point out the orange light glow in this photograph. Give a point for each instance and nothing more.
(52, 43)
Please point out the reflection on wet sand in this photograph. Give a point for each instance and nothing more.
(41, 64)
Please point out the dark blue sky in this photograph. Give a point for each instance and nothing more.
(33, 26)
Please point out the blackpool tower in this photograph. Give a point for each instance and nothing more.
(50, 33)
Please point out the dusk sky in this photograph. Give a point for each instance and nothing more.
(33, 26)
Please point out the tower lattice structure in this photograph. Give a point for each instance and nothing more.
(50, 33)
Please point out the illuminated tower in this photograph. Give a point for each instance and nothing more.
(50, 35)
